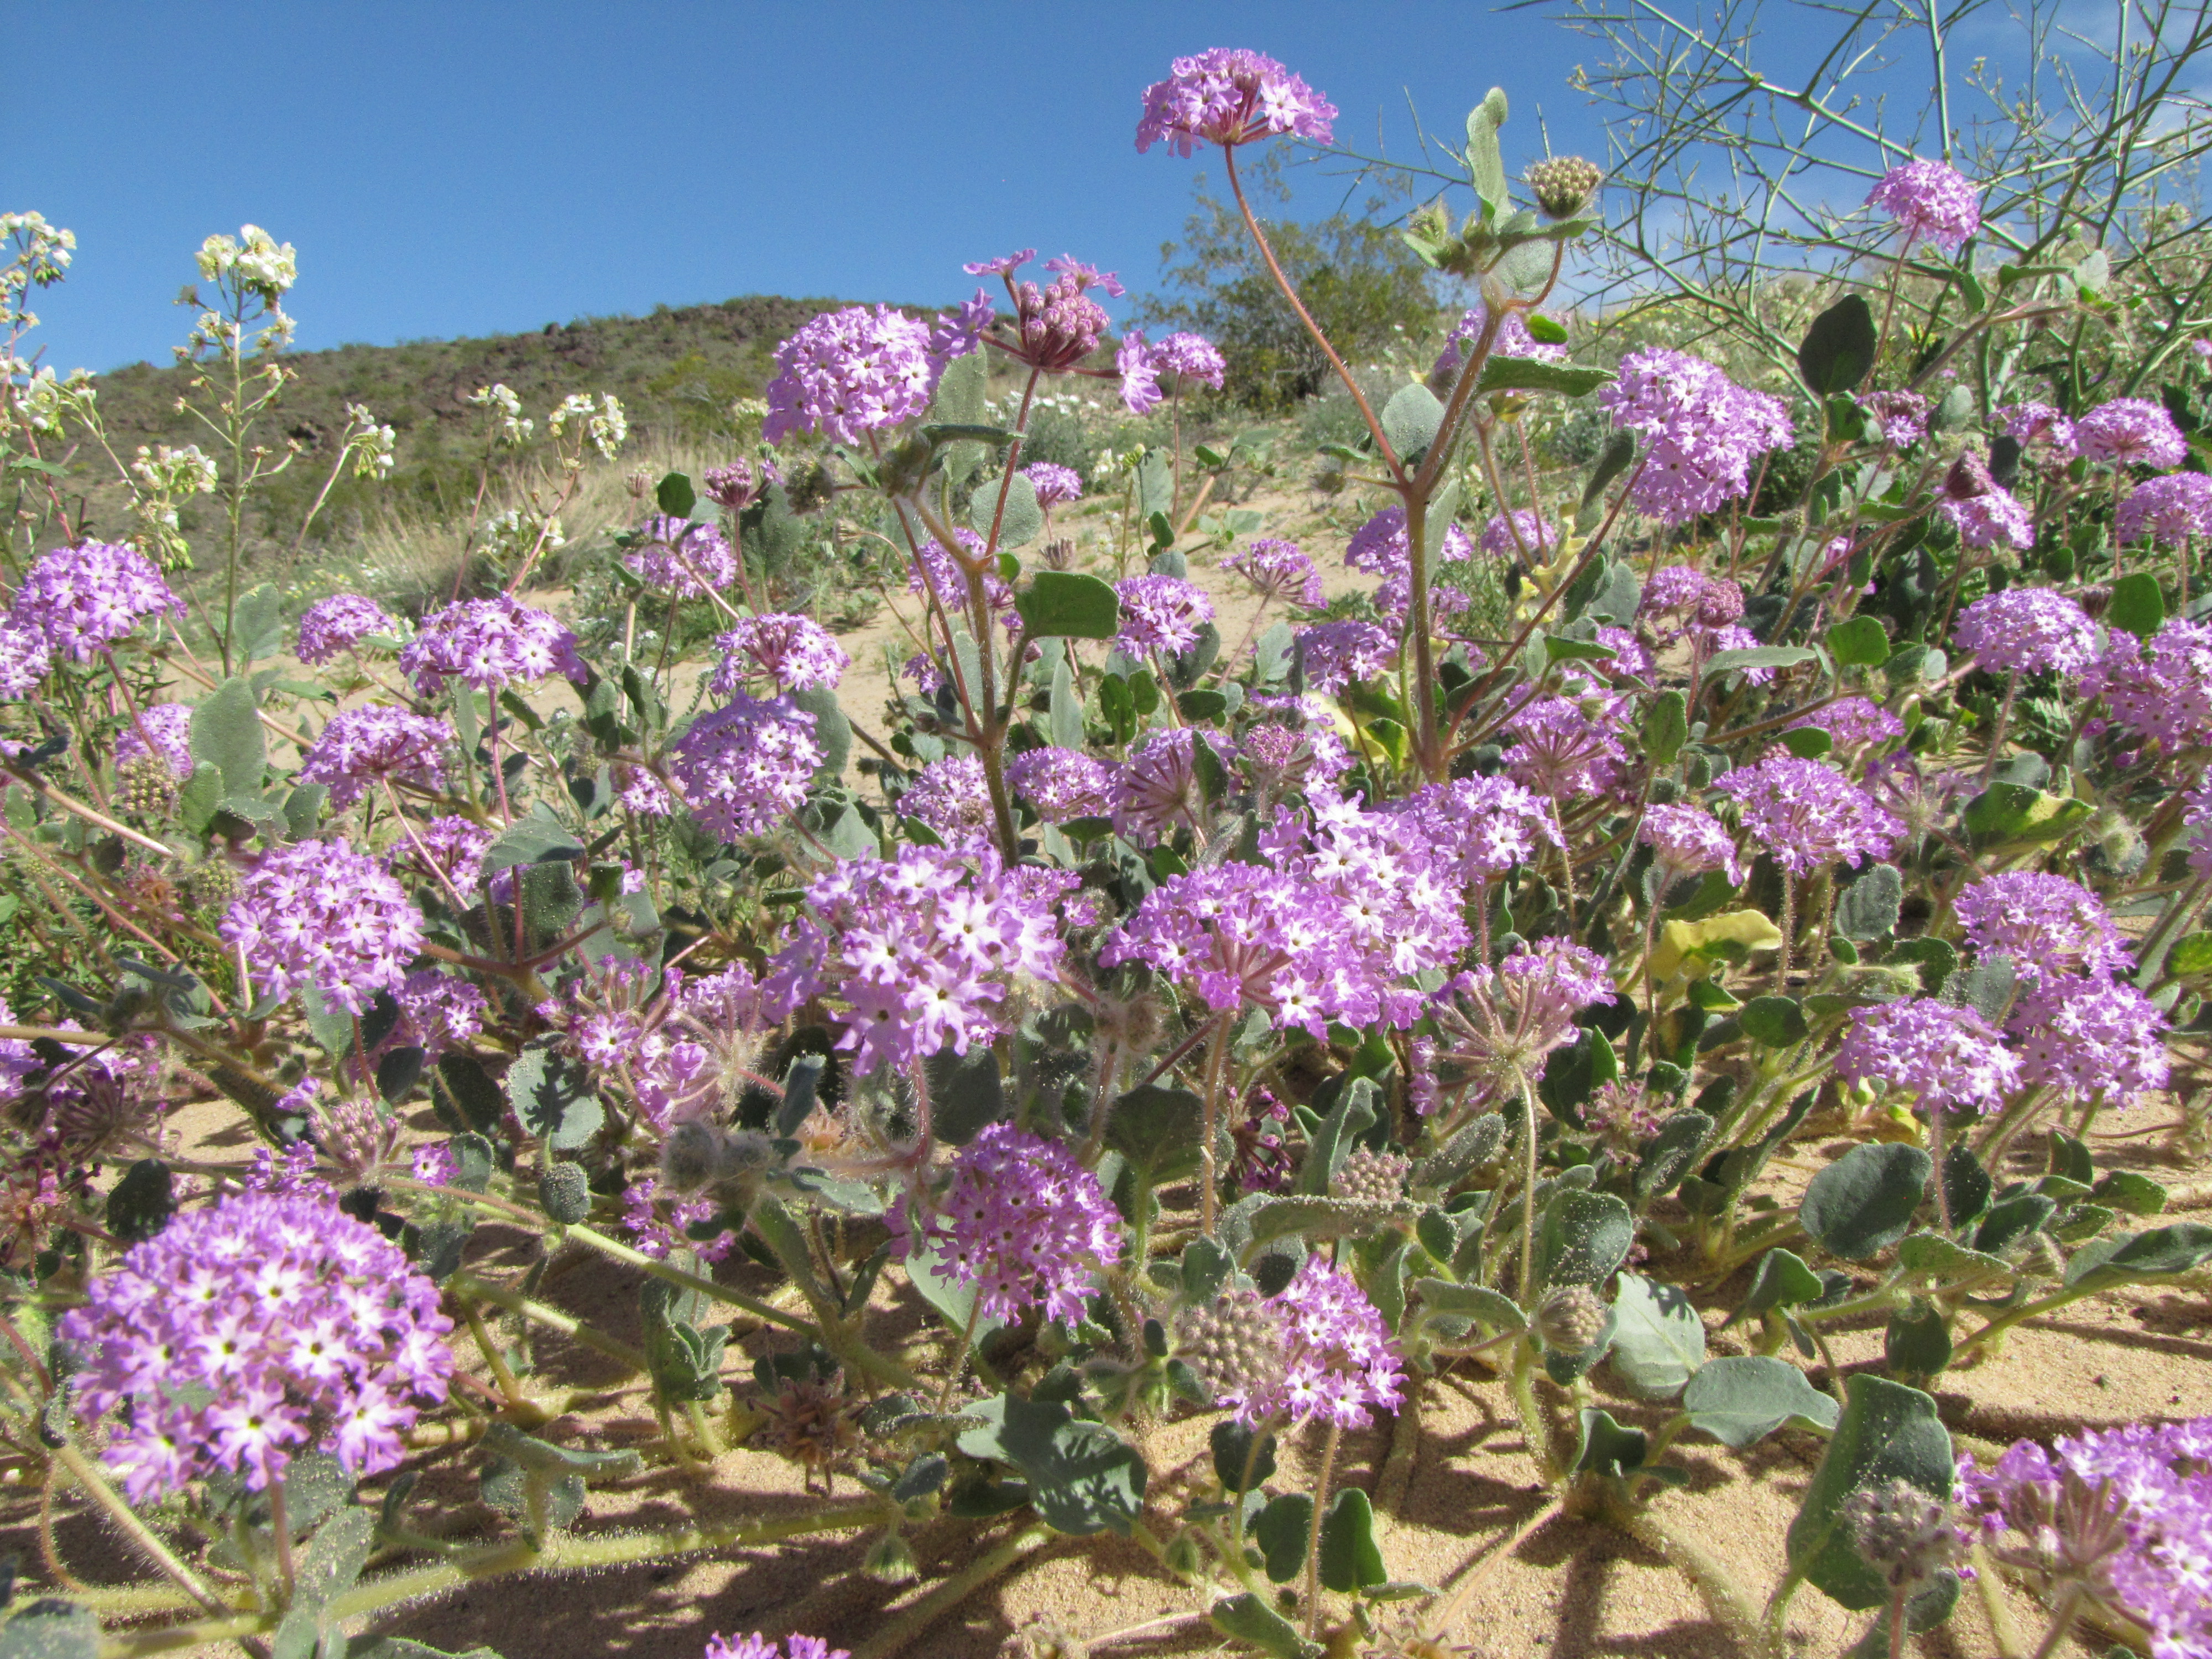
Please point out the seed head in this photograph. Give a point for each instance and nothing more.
(1236, 1345)
(1369, 1177)
(1904, 1535)
(812, 1421)
(1563, 184)
(146, 787)
(1570, 1318)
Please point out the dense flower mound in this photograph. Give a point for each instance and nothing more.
(1062, 784)
(795, 652)
(2133, 1503)
(1852, 723)
(2046, 924)
(488, 644)
(319, 914)
(922, 948)
(1701, 432)
(1192, 358)
(1334, 655)
(2028, 630)
(452, 847)
(2090, 1040)
(938, 573)
(79, 600)
(681, 556)
(1983, 511)
(339, 623)
(1946, 1056)
(1055, 485)
(1162, 613)
(2171, 510)
(2161, 688)
(1339, 1360)
(1279, 570)
(850, 373)
(1932, 201)
(162, 733)
(951, 798)
(1227, 97)
(1807, 815)
(2130, 432)
(1380, 547)
(753, 1647)
(242, 1334)
(1477, 830)
(362, 747)
(1687, 841)
(1021, 1221)
(25, 658)
(742, 767)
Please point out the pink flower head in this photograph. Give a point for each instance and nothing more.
(1279, 570)
(850, 373)
(2031, 424)
(1057, 326)
(362, 747)
(26, 660)
(1685, 841)
(1380, 548)
(1161, 613)
(1158, 788)
(1338, 1358)
(950, 799)
(1055, 484)
(754, 1647)
(1807, 816)
(2131, 432)
(2047, 924)
(1984, 511)
(1560, 750)
(742, 767)
(317, 913)
(2171, 510)
(1062, 784)
(2090, 1038)
(1852, 723)
(1947, 1055)
(1933, 201)
(738, 485)
(1229, 97)
(1332, 655)
(681, 556)
(2161, 688)
(241, 1334)
(1021, 1221)
(487, 643)
(164, 732)
(339, 623)
(1701, 431)
(1681, 599)
(2030, 629)
(794, 651)
(1536, 534)
(1901, 417)
(81, 600)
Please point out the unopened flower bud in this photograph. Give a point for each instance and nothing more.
(565, 1193)
(1570, 1319)
(1235, 1345)
(145, 787)
(1369, 1177)
(891, 1559)
(1904, 1533)
(1563, 184)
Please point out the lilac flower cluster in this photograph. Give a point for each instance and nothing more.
(1228, 97)
(1057, 326)
(753, 1647)
(1701, 432)
(162, 733)
(2147, 1486)
(339, 623)
(743, 766)
(1932, 201)
(922, 948)
(1339, 1359)
(1189, 357)
(1901, 417)
(1161, 613)
(1156, 788)
(1495, 1024)
(682, 557)
(1055, 485)
(1946, 1056)
(1279, 570)
(1477, 830)
(487, 643)
(793, 651)
(317, 913)
(936, 567)
(738, 485)
(1687, 840)
(1807, 816)
(2171, 510)
(2090, 1039)
(362, 747)
(241, 1334)
(79, 600)
(2033, 425)
(1513, 340)
(1984, 511)
(1535, 534)
(1380, 548)
(2031, 630)
(1680, 601)
(1852, 724)
(454, 848)
(1021, 1221)
(25, 659)
(2130, 432)
(1332, 655)
(2161, 688)
(951, 798)
(1062, 784)
(849, 372)
(2045, 923)
(1560, 750)
(1278, 756)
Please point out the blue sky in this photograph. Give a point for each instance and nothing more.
(471, 167)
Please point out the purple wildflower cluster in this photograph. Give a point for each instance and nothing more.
(1931, 201)
(743, 766)
(1853, 724)
(1513, 340)
(753, 1647)
(1062, 784)
(488, 644)
(2161, 688)
(1984, 511)
(2130, 432)
(795, 652)
(1687, 840)
(2045, 923)
(1380, 547)
(1507, 536)
(1055, 485)
(2038, 426)
(162, 733)
(1808, 815)
(25, 660)
(362, 747)
(1701, 432)
(849, 372)
(2090, 1038)
(1162, 613)
(1156, 790)
(1229, 97)
(339, 623)
(2171, 510)
(1021, 1221)
(1901, 417)
(2030, 630)
(922, 948)
(1191, 358)
(77, 601)
(936, 567)
(1946, 1056)
(737, 486)
(951, 798)
(682, 557)
(1339, 1359)
(1332, 655)
(241, 1334)
(1279, 570)
(319, 913)
(1057, 326)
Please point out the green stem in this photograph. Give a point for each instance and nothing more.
(1312, 1533)
(552, 1318)
(89, 1475)
(934, 1606)
(1209, 1179)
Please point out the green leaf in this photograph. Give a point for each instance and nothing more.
(1665, 728)
(1658, 1340)
(1411, 420)
(49, 1628)
(1485, 162)
(2191, 954)
(199, 798)
(1808, 742)
(535, 838)
(2130, 1191)
(466, 1098)
(1886, 1432)
(675, 496)
(1613, 460)
(1350, 1558)
(930, 1270)
(2013, 813)
(401, 1647)
(1669, 1154)
(1237, 1449)
(140, 1205)
(1781, 1280)
(1493, 1308)
(1528, 375)
(2137, 605)
(1024, 519)
(1205, 1268)
(1869, 906)
(1574, 1073)
(1548, 330)
(258, 625)
(965, 1092)
(552, 1094)
(1758, 656)
(1864, 1202)
(1838, 350)
(1932, 1255)
(328, 1568)
(1066, 710)
(1246, 1618)
(832, 731)
(1557, 649)
(226, 734)
(1283, 1531)
(1581, 1238)
(1741, 1399)
(1773, 1021)
(1917, 1344)
(1607, 1449)
(1069, 604)
(1858, 642)
(1158, 1130)
(1354, 1113)
(2160, 1251)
